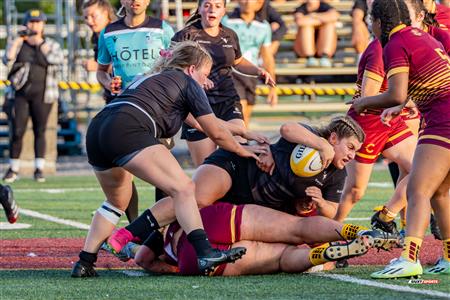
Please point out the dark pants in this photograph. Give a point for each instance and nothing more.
(29, 105)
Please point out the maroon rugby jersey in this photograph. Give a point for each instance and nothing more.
(371, 65)
(442, 35)
(443, 15)
(411, 50)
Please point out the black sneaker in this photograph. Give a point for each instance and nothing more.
(10, 176)
(208, 264)
(39, 176)
(377, 223)
(9, 204)
(434, 228)
(83, 270)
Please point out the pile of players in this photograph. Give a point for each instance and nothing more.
(253, 206)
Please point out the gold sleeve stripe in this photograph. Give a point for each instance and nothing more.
(435, 137)
(397, 70)
(366, 155)
(398, 134)
(232, 224)
(373, 75)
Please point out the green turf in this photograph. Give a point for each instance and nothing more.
(117, 285)
(82, 196)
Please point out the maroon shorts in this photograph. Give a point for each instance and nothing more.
(222, 222)
(379, 137)
(436, 129)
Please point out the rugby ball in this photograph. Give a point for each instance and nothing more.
(305, 161)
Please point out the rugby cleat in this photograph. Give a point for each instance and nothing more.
(207, 264)
(336, 251)
(118, 239)
(81, 270)
(377, 223)
(399, 268)
(339, 250)
(126, 253)
(441, 267)
(9, 204)
(381, 239)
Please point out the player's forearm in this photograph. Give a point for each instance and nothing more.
(344, 208)
(247, 67)
(327, 209)
(104, 78)
(296, 133)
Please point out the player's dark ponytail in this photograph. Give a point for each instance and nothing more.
(391, 13)
(343, 126)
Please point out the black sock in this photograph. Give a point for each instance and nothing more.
(159, 194)
(143, 225)
(155, 242)
(87, 258)
(395, 172)
(132, 210)
(199, 241)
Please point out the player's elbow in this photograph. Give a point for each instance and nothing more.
(287, 128)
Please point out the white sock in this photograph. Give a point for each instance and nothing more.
(39, 163)
(14, 164)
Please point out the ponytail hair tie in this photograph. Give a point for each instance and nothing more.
(165, 53)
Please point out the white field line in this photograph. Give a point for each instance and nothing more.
(35, 214)
(69, 190)
(383, 185)
(382, 285)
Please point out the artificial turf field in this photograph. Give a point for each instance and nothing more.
(35, 262)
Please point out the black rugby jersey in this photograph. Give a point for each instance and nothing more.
(283, 190)
(168, 98)
(224, 50)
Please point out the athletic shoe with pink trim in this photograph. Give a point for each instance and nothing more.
(118, 239)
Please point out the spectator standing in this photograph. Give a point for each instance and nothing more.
(34, 74)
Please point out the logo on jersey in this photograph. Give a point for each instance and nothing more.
(369, 148)
(225, 40)
(319, 183)
(416, 32)
(115, 38)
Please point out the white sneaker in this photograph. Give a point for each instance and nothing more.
(398, 268)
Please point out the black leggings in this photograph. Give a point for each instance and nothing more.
(29, 105)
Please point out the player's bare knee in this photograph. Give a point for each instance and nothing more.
(183, 190)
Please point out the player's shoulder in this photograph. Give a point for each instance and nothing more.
(119, 24)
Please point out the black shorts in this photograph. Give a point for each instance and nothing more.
(245, 87)
(116, 135)
(238, 168)
(226, 111)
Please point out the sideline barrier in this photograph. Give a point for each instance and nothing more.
(262, 90)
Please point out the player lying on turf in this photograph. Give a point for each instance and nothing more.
(229, 225)
(239, 181)
(270, 183)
